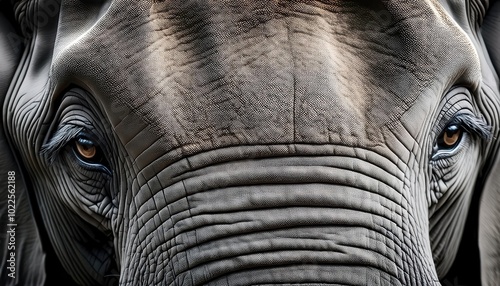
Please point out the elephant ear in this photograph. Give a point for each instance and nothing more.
(22, 261)
(489, 212)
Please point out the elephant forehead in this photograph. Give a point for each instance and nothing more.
(233, 72)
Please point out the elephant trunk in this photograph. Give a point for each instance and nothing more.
(339, 217)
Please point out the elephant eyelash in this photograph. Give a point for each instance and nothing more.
(65, 135)
(473, 124)
(61, 138)
(467, 123)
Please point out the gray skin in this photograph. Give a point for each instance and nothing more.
(250, 142)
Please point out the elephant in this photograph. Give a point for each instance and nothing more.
(238, 142)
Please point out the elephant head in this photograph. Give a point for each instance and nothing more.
(250, 142)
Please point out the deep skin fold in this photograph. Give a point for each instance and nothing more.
(199, 98)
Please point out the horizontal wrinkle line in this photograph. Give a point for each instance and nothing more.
(156, 213)
(180, 150)
(285, 184)
(305, 283)
(272, 248)
(287, 264)
(384, 254)
(396, 240)
(274, 184)
(357, 171)
(290, 205)
(255, 231)
(324, 154)
(294, 263)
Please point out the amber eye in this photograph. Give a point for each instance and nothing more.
(450, 137)
(86, 149)
(90, 154)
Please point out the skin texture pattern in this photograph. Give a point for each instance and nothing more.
(262, 142)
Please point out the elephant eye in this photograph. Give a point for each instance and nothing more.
(86, 148)
(88, 151)
(450, 137)
(461, 130)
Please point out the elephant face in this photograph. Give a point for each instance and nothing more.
(254, 142)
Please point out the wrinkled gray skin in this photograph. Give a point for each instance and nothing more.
(250, 142)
